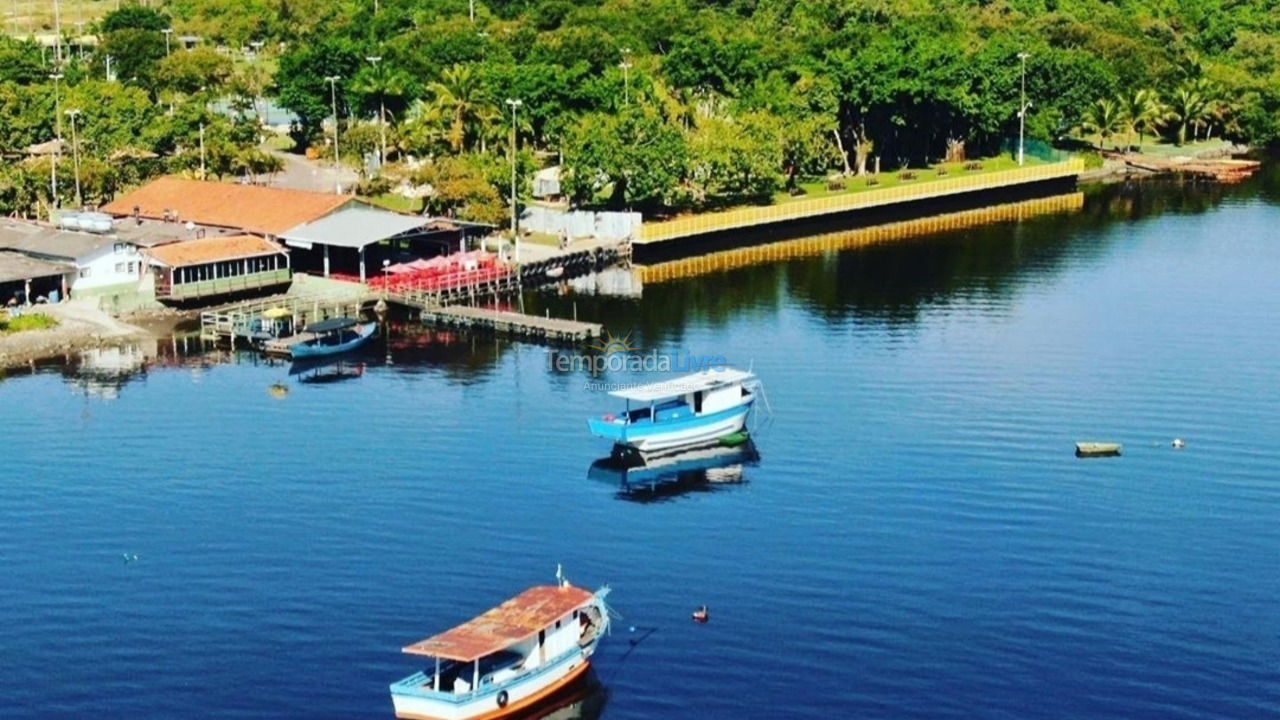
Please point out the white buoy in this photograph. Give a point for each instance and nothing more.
(1178, 444)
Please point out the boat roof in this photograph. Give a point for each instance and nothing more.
(705, 380)
(330, 325)
(498, 629)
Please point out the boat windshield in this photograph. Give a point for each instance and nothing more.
(669, 410)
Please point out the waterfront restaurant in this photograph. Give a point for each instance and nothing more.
(359, 241)
(265, 211)
(218, 266)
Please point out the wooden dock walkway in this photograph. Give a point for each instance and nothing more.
(513, 323)
(712, 222)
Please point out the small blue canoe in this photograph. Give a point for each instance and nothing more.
(333, 336)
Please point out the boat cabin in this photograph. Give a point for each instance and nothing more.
(334, 331)
(683, 412)
(703, 393)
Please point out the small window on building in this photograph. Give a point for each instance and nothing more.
(120, 248)
(119, 268)
(84, 272)
(133, 268)
(557, 624)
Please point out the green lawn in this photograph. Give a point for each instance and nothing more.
(37, 15)
(887, 179)
(398, 203)
(33, 321)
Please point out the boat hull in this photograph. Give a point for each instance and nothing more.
(306, 350)
(520, 696)
(651, 438)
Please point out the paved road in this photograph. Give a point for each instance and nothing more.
(303, 174)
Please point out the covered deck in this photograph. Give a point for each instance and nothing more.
(481, 652)
(213, 266)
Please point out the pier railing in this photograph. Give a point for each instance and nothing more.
(710, 222)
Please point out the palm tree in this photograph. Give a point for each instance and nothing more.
(460, 94)
(1186, 107)
(1214, 108)
(1139, 111)
(1102, 118)
(378, 82)
(425, 129)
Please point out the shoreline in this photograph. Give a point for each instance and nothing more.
(80, 327)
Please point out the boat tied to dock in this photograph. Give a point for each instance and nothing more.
(507, 659)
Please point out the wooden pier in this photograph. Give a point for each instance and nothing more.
(230, 322)
(513, 323)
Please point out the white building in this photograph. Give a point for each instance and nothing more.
(105, 264)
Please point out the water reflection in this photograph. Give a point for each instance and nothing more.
(583, 700)
(321, 371)
(699, 470)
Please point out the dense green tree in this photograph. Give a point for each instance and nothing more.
(635, 154)
(134, 16)
(194, 70)
(135, 55)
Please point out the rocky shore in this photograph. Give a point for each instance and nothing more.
(81, 326)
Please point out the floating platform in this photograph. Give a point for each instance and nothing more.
(513, 323)
(1098, 449)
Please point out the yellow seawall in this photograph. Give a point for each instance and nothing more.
(710, 222)
(818, 244)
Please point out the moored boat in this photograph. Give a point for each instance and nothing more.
(680, 413)
(333, 336)
(507, 659)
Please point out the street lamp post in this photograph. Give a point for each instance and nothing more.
(57, 148)
(167, 32)
(337, 157)
(1022, 109)
(626, 76)
(515, 228)
(382, 112)
(57, 35)
(203, 175)
(471, 9)
(75, 153)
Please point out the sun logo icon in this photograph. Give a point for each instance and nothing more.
(610, 344)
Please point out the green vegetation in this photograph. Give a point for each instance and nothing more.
(29, 321)
(650, 104)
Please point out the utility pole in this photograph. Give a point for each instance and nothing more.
(337, 157)
(108, 59)
(1022, 110)
(75, 153)
(471, 9)
(626, 76)
(515, 228)
(167, 32)
(382, 111)
(203, 175)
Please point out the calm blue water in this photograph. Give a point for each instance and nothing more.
(916, 540)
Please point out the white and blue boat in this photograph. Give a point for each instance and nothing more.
(680, 413)
(508, 659)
